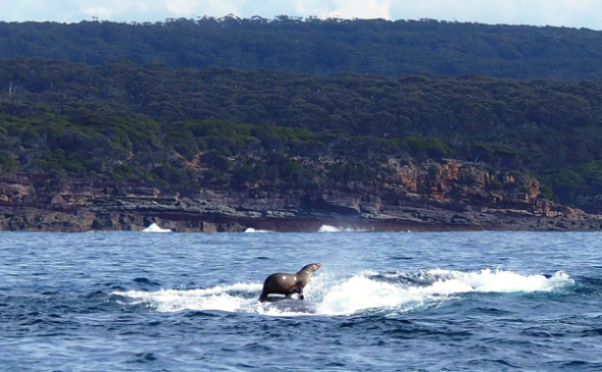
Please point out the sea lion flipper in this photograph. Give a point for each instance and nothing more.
(263, 297)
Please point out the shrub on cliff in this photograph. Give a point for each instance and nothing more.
(92, 119)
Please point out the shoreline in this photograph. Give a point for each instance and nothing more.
(63, 204)
(139, 217)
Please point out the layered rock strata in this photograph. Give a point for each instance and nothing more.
(418, 197)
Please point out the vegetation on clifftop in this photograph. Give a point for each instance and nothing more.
(234, 128)
(314, 46)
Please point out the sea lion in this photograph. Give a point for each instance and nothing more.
(287, 284)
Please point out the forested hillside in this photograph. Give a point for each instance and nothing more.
(313, 46)
(186, 127)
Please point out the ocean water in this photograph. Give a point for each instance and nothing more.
(454, 301)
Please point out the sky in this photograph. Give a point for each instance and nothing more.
(569, 13)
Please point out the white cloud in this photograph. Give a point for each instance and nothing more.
(99, 12)
(217, 8)
(310, 7)
(362, 9)
(460, 10)
(570, 13)
(343, 8)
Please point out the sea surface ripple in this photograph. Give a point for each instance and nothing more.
(405, 301)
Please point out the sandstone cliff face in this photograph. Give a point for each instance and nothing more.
(456, 181)
(411, 196)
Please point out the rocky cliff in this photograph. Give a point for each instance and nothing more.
(451, 195)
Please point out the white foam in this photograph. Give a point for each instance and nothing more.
(361, 292)
(252, 230)
(332, 295)
(329, 228)
(155, 228)
(216, 298)
(508, 281)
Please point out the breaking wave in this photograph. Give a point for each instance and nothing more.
(367, 291)
(252, 230)
(154, 228)
(329, 229)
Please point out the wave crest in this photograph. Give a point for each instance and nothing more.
(330, 294)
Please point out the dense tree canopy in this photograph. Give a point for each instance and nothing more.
(182, 127)
(313, 46)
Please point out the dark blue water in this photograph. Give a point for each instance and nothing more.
(474, 301)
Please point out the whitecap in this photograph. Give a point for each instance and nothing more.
(330, 228)
(332, 295)
(365, 292)
(155, 228)
(252, 230)
(224, 298)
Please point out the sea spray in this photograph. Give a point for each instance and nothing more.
(331, 229)
(364, 291)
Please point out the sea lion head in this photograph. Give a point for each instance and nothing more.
(309, 269)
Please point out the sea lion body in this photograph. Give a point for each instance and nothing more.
(287, 284)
